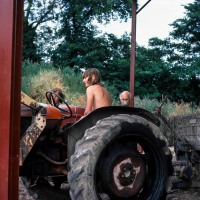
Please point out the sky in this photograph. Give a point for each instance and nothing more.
(151, 21)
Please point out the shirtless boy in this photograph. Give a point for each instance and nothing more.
(97, 95)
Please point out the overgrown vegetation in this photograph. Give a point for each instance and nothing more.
(169, 108)
(39, 78)
(73, 42)
(167, 67)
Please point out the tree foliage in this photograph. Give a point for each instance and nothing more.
(37, 13)
(186, 33)
(169, 66)
(181, 52)
(83, 46)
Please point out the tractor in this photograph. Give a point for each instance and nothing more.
(112, 153)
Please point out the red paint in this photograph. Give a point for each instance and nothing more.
(11, 16)
(133, 46)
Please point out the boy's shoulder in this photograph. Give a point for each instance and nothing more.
(90, 88)
(94, 88)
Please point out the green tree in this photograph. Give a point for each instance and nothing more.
(186, 34)
(37, 37)
(180, 52)
(29, 43)
(116, 67)
(82, 44)
(149, 69)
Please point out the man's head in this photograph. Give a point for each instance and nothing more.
(91, 76)
(125, 98)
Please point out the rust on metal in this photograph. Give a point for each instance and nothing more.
(11, 29)
(28, 101)
(32, 134)
(128, 176)
(60, 169)
(132, 57)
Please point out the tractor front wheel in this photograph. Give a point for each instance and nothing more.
(121, 157)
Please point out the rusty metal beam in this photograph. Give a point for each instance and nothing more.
(143, 6)
(133, 46)
(11, 27)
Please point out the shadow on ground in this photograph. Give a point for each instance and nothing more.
(45, 191)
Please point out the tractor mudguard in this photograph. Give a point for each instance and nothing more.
(76, 131)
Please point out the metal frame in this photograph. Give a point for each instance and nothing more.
(133, 48)
(11, 27)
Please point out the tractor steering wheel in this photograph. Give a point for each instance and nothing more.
(50, 97)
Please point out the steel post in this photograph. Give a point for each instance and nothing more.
(11, 26)
(133, 46)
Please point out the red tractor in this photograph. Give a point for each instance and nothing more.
(112, 153)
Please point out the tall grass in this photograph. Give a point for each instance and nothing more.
(150, 104)
(168, 109)
(37, 79)
(184, 108)
(74, 87)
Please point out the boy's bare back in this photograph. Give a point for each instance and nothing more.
(97, 96)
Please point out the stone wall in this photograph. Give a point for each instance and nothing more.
(188, 127)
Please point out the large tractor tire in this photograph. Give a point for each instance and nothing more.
(121, 157)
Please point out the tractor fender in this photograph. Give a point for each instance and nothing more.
(76, 131)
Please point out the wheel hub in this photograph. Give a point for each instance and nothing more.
(124, 176)
(127, 174)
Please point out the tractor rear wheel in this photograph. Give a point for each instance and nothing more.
(121, 157)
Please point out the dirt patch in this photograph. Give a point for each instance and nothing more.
(45, 191)
(187, 194)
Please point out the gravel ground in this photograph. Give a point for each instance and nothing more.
(45, 191)
(189, 194)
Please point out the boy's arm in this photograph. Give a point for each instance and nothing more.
(90, 100)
